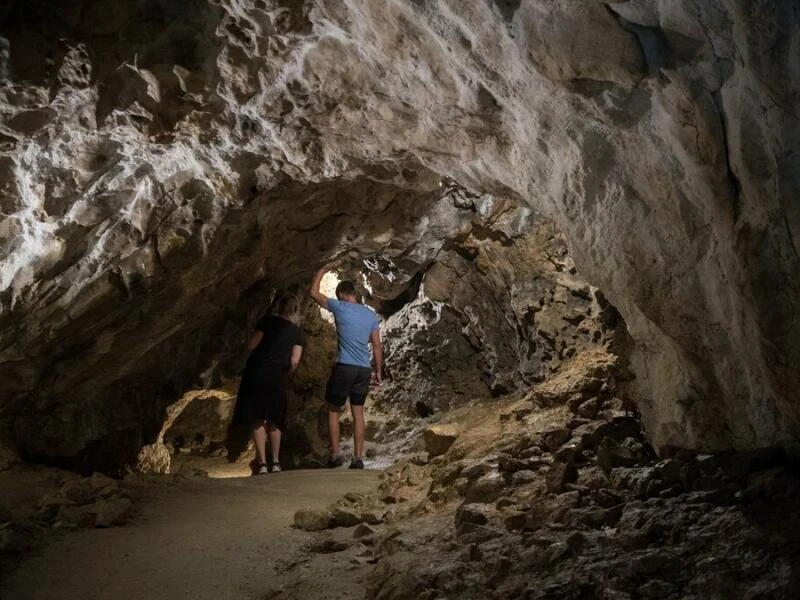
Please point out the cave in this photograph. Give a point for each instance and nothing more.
(573, 220)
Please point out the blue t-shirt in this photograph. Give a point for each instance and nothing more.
(354, 324)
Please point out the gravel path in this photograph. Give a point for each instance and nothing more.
(212, 539)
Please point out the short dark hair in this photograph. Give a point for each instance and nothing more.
(345, 288)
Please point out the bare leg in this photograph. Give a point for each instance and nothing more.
(333, 429)
(260, 439)
(358, 430)
(275, 443)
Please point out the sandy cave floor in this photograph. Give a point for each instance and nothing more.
(204, 538)
(213, 532)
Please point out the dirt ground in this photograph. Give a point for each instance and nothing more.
(205, 538)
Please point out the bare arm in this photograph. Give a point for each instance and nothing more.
(377, 351)
(313, 289)
(297, 353)
(254, 335)
(255, 339)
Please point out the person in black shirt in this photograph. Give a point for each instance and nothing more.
(276, 346)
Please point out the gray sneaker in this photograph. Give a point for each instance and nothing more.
(335, 461)
(276, 468)
(262, 470)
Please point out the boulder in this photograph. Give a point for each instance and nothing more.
(396, 541)
(522, 477)
(475, 514)
(559, 475)
(374, 516)
(363, 530)
(476, 468)
(71, 517)
(329, 546)
(555, 438)
(509, 464)
(515, 521)
(610, 455)
(103, 485)
(588, 409)
(51, 504)
(112, 512)
(592, 477)
(154, 458)
(312, 519)
(487, 488)
(78, 492)
(643, 481)
(439, 438)
(344, 516)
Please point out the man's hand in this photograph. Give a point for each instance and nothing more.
(377, 378)
(313, 289)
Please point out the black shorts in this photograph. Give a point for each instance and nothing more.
(348, 380)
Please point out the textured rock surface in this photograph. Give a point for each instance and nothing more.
(439, 438)
(522, 508)
(203, 424)
(155, 457)
(165, 165)
(494, 313)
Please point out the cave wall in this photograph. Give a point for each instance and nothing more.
(158, 160)
(656, 142)
(496, 312)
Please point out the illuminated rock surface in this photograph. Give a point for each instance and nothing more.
(165, 165)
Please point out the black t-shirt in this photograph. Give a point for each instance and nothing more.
(273, 354)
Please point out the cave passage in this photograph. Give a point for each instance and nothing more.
(488, 317)
(574, 219)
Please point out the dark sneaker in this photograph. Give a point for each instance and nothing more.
(335, 461)
(357, 464)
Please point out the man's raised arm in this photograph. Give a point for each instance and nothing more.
(313, 289)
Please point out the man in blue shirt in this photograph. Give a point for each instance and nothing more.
(356, 327)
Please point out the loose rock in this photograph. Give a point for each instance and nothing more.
(312, 519)
(111, 512)
(439, 439)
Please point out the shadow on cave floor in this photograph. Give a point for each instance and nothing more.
(203, 538)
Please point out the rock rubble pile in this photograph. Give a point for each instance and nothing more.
(577, 505)
(74, 503)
